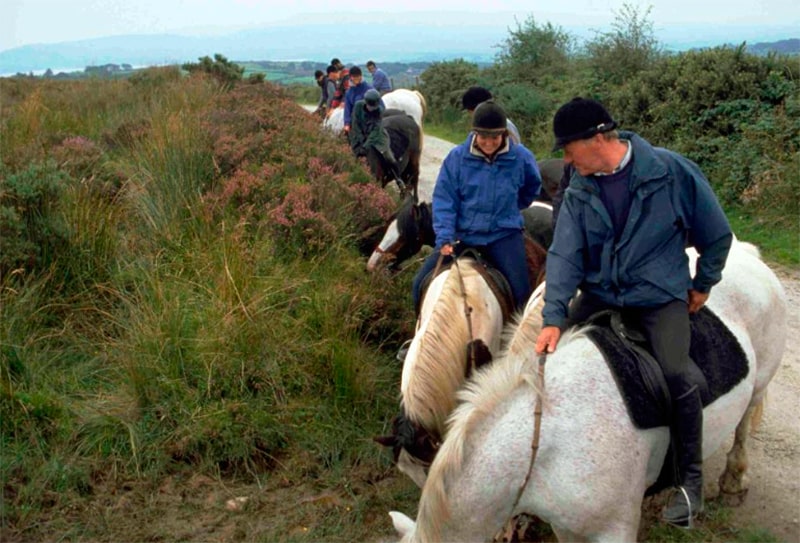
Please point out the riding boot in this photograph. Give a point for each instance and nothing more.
(394, 168)
(687, 502)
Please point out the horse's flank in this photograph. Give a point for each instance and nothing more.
(437, 358)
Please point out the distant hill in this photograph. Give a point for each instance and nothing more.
(476, 39)
(359, 43)
(784, 47)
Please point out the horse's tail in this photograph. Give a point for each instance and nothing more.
(424, 106)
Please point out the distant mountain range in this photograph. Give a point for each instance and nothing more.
(786, 47)
(355, 42)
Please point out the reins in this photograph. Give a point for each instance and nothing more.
(537, 426)
(468, 315)
(467, 308)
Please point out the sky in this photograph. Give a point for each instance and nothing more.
(31, 22)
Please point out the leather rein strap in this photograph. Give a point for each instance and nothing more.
(537, 426)
(468, 315)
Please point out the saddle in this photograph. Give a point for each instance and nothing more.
(718, 363)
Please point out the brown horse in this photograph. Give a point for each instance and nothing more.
(405, 140)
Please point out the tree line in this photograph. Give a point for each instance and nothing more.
(735, 113)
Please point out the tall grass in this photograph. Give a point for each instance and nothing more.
(175, 327)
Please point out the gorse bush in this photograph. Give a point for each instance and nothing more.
(732, 112)
(31, 229)
(227, 73)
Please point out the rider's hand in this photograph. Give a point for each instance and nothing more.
(347, 128)
(697, 300)
(446, 249)
(548, 339)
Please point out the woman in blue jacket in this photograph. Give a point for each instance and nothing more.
(482, 186)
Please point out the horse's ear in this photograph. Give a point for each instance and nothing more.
(402, 523)
(386, 441)
(480, 353)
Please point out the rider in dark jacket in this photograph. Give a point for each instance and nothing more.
(367, 130)
(628, 214)
(358, 88)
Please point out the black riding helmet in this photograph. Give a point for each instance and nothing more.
(580, 118)
(489, 118)
(372, 98)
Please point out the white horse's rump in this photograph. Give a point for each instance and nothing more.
(412, 102)
(593, 466)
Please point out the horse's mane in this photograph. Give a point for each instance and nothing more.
(525, 328)
(406, 224)
(438, 371)
(480, 397)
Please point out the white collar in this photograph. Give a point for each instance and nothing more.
(625, 159)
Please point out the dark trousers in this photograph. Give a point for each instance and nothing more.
(507, 254)
(666, 328)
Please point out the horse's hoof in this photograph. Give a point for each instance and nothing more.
(732, 499)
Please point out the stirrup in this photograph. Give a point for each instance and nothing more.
(402, 352)
(687, 521)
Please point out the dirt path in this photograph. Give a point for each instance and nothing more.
(773, 500)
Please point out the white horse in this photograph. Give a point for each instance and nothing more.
(436, 364)
(410, 101)
(593, 465)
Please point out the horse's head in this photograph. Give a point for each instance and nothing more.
(404, 525)
(535, 256)
(406, 234)
(412, 437)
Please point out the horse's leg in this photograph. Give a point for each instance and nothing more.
(412, 172)
(376, 165)
(732, 483)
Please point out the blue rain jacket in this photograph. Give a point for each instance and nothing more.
(672, 207)
(477, 201)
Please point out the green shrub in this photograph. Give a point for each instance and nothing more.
(31, 230)
(227, 73)
(443, 84)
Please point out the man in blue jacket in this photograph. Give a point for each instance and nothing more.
(358, 88)
(482, 186)
(628, 214)
(380, 81)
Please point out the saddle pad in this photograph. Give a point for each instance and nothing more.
(713, 348)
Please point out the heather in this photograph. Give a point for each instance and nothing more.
(182, 297)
